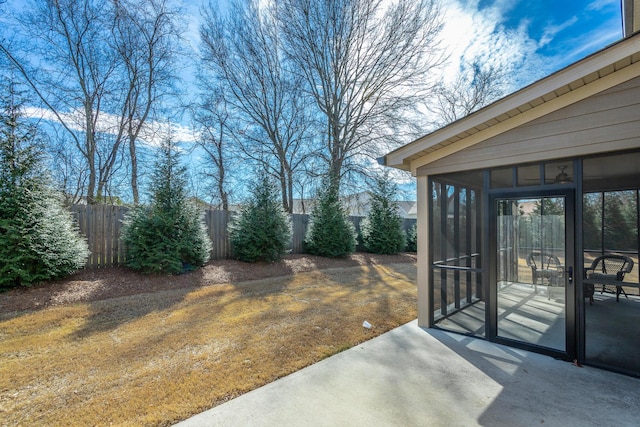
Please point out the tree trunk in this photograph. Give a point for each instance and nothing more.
(283, 188)
(290, 190)
(134, 170)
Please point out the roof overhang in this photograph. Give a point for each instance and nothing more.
(602, 70)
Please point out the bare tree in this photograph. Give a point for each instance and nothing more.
(74, 67)
(68, 168)
(244, 51)
(474, 87)
(145, 36)
(99, 67)
(367, 65)
(65, 164)
(212, 123)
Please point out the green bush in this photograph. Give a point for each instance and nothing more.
(167, 236)
(412, 239)
(382, 231)
(262, 230)
(38, 238)
(330, 232)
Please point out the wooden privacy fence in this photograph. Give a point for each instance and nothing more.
(102, 225)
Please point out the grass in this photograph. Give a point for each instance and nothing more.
(157, 358)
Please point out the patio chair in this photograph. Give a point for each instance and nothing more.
(545, 267)
(610, 267)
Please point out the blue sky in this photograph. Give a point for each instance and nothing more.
(549, 33)
(563, 26)
(531, 38)
(528, 38)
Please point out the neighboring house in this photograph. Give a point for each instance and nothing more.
(303, 206)
(534, 173)
(408, 209)
(359, 204)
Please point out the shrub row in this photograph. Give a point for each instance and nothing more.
(39, 241)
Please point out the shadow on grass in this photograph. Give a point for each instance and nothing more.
(139, 295)
(109, 314)
(201, 344)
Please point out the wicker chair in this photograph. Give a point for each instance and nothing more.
(610, 267)
(545, 267)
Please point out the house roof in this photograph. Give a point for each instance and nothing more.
(606, 68)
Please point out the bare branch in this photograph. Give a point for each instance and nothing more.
(474, 87)
(244, 51)
(367, 66)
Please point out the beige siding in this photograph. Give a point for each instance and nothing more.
(424, 297)
(609, 121)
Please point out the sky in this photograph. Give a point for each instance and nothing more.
(529, 39)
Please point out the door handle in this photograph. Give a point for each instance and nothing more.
(570, 274)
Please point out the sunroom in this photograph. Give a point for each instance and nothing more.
(528, 215)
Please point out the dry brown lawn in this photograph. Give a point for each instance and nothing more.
(164, 352)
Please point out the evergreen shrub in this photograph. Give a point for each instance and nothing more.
(331, 234)
(168, 235)
(39, 239)
(382, 231)
(412, 239)
(262, 230)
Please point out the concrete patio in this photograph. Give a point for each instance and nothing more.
(426, 377)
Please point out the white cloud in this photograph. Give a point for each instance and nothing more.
(598, 5)
(152, 134)
(474, 34)
(550, 31)
(479, 33)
